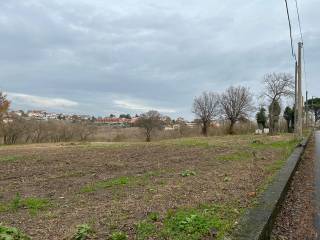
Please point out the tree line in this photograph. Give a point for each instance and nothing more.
(17, 129)
(235, 104)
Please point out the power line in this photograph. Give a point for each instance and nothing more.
(301, 37)
(290, 28)
(297, 7)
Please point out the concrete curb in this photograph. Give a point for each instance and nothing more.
(257, 222)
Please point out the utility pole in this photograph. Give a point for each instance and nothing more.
(299, 86)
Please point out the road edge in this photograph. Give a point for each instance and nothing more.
(257, 222)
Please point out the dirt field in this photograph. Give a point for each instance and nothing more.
(189, 188)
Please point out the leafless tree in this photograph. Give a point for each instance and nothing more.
(37, 131)
(236, 104)
(206, 107)
(84, 130)
(13, 130)
(276, 86)
(150, 121)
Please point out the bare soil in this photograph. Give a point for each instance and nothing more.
(58, 172)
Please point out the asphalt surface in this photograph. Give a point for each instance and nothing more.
(317, 182)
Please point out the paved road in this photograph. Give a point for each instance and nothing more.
(317, 179)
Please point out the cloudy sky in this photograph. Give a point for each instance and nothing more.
(117, 56)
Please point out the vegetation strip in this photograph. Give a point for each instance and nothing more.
(32, 204)
(257, 222)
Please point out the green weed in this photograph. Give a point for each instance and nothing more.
(187, 173)
(154, 216)
(83, 232)
(119, 236)
(34, 205)
(10, 233)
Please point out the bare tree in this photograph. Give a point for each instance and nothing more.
(206, 107)
(150, 121)
(276, 86)
(13, 129)
(236, 104)
(85, 129)
(37, 131)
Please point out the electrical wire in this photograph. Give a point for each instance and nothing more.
(303, 51)
(290, 28)
(299, 21)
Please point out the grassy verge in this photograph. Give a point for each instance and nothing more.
(287, 148)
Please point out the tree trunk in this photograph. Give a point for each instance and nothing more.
(148, 135)
(205, 129)
(231, 131)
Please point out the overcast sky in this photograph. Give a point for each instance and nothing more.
(128, 56)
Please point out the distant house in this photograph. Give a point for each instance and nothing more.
(192, 124)
(117, 122)
(37, 114)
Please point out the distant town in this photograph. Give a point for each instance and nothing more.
(123, 120)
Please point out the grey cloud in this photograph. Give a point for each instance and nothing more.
(161, 53)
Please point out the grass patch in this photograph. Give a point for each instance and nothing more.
(121, 181)
(276, 144)
(12, 158)
(286, 148)
(10, 233)
(237, 156)
(34, 205)
(145, 230)
(118, 182)
(274, 167)
(111, 145)
(118, 236)
(190, 223)
(83, 232)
